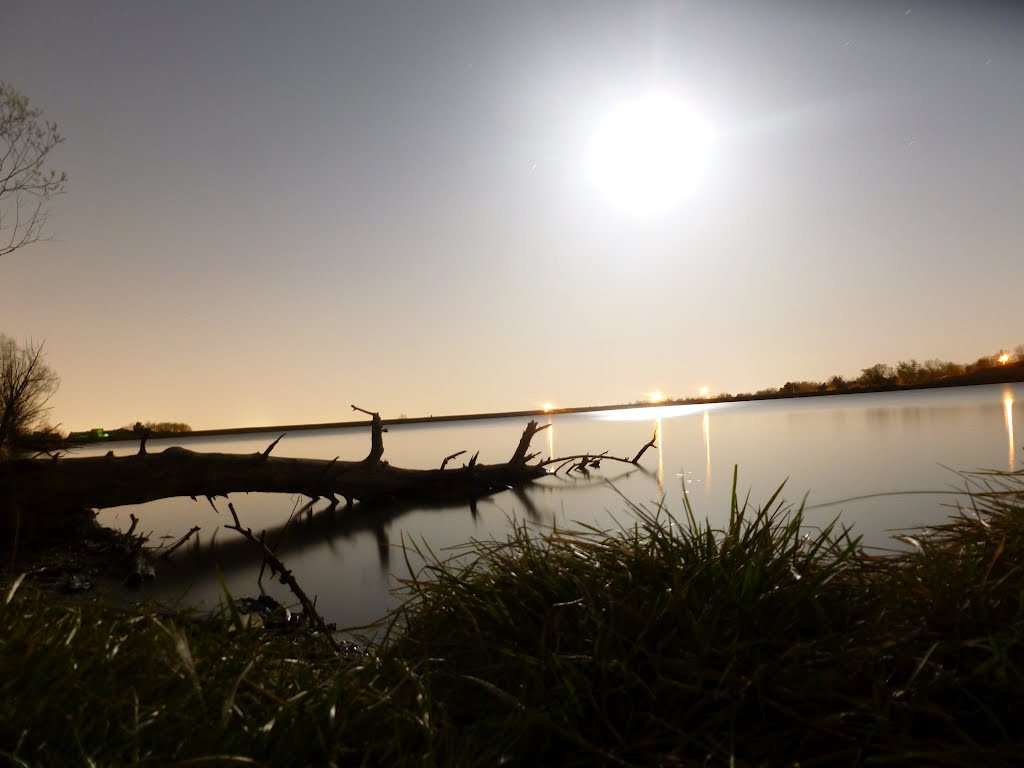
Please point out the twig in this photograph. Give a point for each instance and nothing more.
(263, 563)
(135, 522)
(277, 568)
(270, 447)
(327, 469)
(636, 459)
(585, 459)
(179, 542)
(329, 494)
(449, 458)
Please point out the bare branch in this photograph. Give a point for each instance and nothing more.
(26, 186)
(582, 461)
(519, 457)
(180, 541)
(449, 458)
(277, 567)
(270, 447)
(650, 444)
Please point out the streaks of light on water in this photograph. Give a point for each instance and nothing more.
(1008, 415)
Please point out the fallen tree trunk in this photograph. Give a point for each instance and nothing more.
(37, 493)
(109, 481)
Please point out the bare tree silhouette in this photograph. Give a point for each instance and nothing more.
(26, 184)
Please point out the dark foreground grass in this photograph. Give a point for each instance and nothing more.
(669, 643)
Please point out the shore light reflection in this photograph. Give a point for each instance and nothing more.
(707, 453)
(551, 438)
(1008, 414)
(660, 435)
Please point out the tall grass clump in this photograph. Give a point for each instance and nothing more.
(763, 642)
(665, 642)
(663, 639)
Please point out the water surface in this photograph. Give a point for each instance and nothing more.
(825, 449)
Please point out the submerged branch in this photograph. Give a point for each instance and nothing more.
(286, 577)
(170, 550)
(650, 444)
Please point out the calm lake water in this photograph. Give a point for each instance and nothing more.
(827, 450)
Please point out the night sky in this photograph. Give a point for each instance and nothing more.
(278, 209)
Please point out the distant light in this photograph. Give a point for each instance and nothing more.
(705, 391)
(1004, 359)
(656, 397)
(548, 407)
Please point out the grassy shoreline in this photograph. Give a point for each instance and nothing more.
(667, 643)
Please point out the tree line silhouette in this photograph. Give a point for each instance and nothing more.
(906, 373)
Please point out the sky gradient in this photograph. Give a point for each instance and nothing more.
(275, 210)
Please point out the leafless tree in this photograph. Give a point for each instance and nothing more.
(26, 184)
(877, 375)
(909, 372)
(26, 385)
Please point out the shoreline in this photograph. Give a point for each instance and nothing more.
(1005, 374)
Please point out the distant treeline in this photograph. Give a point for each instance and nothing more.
(157, 426)
(906, 373)
(128, 431)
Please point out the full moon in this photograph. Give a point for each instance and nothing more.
(647, 154)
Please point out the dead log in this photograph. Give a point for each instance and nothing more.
(44, 486)
(37, 489)
(99, 482)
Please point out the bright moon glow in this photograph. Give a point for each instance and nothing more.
(649, 153)
(705, 391)
(655, 397)
(1004, 358)
(548, 407)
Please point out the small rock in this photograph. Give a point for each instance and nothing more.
(267, 609)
